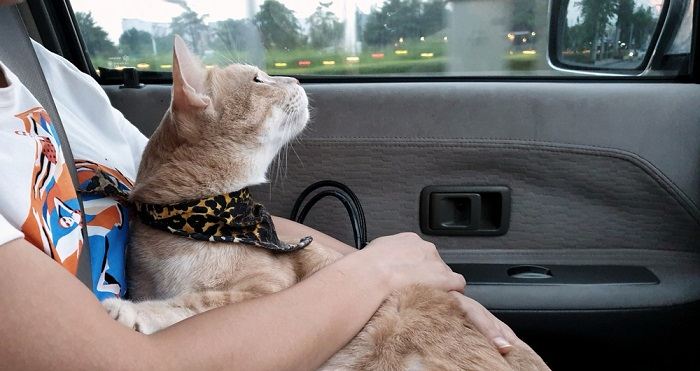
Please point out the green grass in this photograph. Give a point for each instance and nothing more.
(391, 63)
(363, 68)
(521, 62)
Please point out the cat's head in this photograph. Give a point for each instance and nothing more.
(224, 127)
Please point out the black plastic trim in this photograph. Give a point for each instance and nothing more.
(44, 25)
(694, 63)
(651, 338)
(674, 18)
(556, 274)
(60, 26)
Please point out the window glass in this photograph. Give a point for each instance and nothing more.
(325, 37)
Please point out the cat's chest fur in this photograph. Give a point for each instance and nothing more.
(172, 265)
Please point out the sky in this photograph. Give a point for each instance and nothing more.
(109, 13)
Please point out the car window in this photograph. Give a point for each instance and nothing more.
(350, 37)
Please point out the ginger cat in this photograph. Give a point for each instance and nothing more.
(220, 134)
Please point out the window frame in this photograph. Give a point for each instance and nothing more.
(694, 60)
(62, 27)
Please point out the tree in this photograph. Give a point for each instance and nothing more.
(596, 15)
(432, 17)
(94, 36)
(278, 26)
(164, 43)
(376, 30)
(397, 19)
(135, 43)
(191, 27)
(625, 11)
(324, 28)
(643, 24)
(234, 35)
(523, 15)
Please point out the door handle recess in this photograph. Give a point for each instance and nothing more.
(465, 210)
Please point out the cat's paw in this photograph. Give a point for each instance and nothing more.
(129, 314)
(122, 311)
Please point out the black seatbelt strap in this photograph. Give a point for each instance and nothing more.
(17, 53)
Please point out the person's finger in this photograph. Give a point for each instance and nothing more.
(507, 332)
(485, 323)
(460, 281)
(449, 281)
(453, 283)
(508, 338)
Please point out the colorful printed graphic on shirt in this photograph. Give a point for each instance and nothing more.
(107, 226)
(54, 221)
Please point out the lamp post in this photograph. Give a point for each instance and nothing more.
(476, 31)
(350, 39)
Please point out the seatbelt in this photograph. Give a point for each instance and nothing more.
(17, 53)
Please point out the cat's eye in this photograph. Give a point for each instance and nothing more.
(257, 79)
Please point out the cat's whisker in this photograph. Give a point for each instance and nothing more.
(277, 167)
(297, 155)
(286, 159)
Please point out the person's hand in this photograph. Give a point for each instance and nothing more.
(500, 335)
(406, 259)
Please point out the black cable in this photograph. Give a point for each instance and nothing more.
(348, 206)
(346, 196)
(359, 214)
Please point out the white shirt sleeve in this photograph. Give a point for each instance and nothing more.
(92, 125)
(8, 232)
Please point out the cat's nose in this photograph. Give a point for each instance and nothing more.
(294, 81)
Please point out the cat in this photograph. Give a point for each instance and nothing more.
(220, 134)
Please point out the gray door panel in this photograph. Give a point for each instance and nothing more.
(658, 122)
(599, 173)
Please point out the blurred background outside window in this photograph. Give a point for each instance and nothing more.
(364, 37)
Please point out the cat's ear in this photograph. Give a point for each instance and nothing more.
(189, 77)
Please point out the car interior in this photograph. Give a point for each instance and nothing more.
(567, 191)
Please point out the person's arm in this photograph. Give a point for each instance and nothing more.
(292, 231)
(501, 336)
(50, 320)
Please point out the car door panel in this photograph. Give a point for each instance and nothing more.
(578, 165)
(600, 174)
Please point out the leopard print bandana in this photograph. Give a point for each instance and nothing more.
(233, 217)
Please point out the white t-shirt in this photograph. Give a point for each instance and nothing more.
(37, 199)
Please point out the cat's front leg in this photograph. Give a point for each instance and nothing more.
(129, 314)
(312, 258)
(150, 316)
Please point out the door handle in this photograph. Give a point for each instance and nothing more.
(465, 210)
(455, 210)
